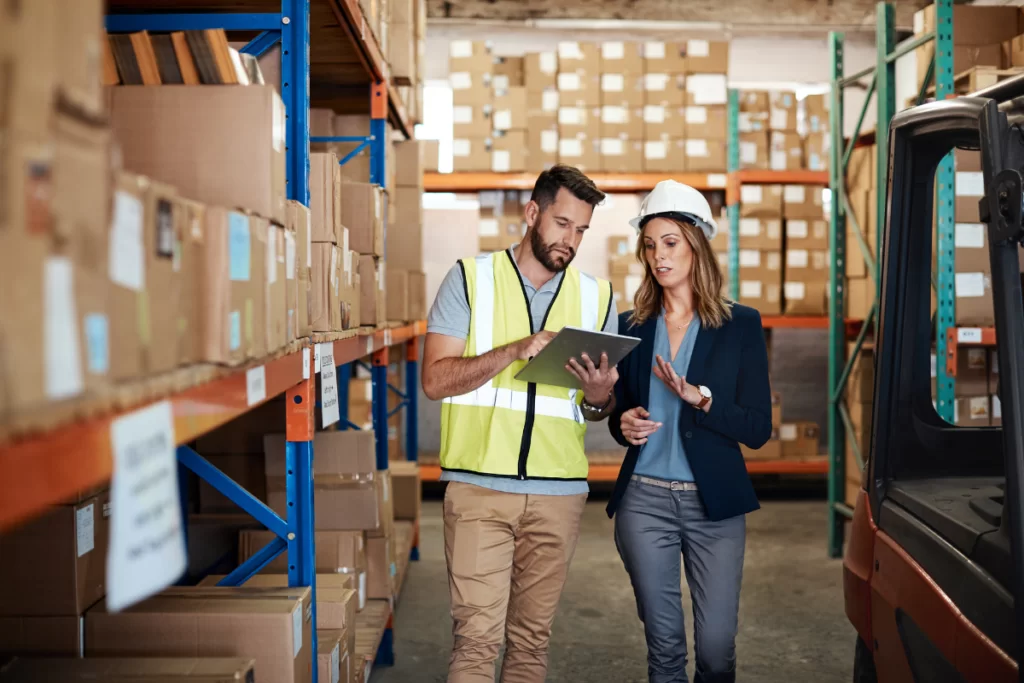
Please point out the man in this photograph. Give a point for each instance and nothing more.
(512, 451)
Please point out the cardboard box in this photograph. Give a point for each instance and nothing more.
(807, 234)
(471, 154)
(622, 58)
(621, 122)
(973, 411)
(782, 111)
(56, 564)
(323, 178)
(622, 156)
(660, 57)
(325, 287)
(405, 238)
(579, 122)
(805, 297)
(337, 596)
(765, 295)
(663, 123)
(542, 102)
(974, 299)
(709, 123)
(583, 154)
(786, 151)
(381, 569)
(401, 50)
(576, 56)
(623, 89)
(372, 291)
(754, 102)
(807, 265)
(472, 121)
(276, 326)
(157, 669)
(817, 150)
(509, 72)
(260, 624)
(509, 109)
(971, 252)
(220, 145)
(41, 636)
(348, 453)
(800, 439)
(508, 152)
(540, 70)
(816, 114)
(664, 89)
(1013, 52)
(705, 155)
(398, 294)
(405, 479)
(341, 553)
(997, 411)
(972, 372)
(706, 90)
(473, 88)
(362, 212)
(860, 386)
(664, 156)
(761, 233)
(761, 201)
(300, 220)
(470, 55)
(860, 294)
(754, 151)
(706, 57)
(802, 201)
(417, 295)
(972, 27)
(772, 450)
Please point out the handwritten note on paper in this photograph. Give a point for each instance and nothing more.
(147, 546)
(329, 408)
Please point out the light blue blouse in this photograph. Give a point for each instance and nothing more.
(663, 456)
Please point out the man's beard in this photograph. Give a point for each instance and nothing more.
(545, 253)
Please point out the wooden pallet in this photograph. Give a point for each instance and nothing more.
(370, 626)
(405, 532)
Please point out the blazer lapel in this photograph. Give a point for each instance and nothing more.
(645, 358)
(701, 348)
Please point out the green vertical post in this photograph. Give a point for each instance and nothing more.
(836, 303)
(734, 207)
(944, 182)
(885, 93)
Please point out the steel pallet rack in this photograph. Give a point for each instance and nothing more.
(883, 84)
(46, 468)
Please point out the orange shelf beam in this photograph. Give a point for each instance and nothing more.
(47, 468)
(795, 322)
(755, 177)
(608, 182)
(609, 473)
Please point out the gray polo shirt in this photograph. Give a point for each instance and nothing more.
(450, 316)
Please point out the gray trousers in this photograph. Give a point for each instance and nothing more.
(654, 528)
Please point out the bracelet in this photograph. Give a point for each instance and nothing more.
(595, 409)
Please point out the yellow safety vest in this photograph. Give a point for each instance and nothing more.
(510, 428)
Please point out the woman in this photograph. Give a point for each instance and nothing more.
(695, 388)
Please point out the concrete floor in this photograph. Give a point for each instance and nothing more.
(792, 625)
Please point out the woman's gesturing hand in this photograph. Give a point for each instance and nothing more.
(664, 371)
(636, 427)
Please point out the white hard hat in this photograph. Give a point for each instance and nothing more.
(671, 198)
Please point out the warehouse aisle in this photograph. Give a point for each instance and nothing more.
(792, 622)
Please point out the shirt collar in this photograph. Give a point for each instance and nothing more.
(549, 286)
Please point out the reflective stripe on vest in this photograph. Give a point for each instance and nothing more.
(498, 427)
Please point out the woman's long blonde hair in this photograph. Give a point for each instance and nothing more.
(711, 306)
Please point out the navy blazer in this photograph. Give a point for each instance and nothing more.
(732, 361)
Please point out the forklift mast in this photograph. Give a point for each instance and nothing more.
(934, 569)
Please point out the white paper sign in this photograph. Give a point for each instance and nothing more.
(147, 546)
(85, 529)
(697, 48)
(305, 363)
(613, 82)
(970, 285)
(329, 408)
(794, 194)
(968, 335)
(256, 385)
(969, 236)
(751, 194)
(60, 330)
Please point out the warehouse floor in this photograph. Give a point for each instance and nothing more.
(792, 625)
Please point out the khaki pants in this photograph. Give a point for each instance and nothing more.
(508, 555)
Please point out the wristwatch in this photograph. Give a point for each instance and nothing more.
(705, 396)
(595, 410)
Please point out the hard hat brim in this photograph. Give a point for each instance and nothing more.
(709, 228)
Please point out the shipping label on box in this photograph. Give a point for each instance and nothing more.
(706, 57)
(709, 123)
(786, 151)
(807, 234)
(663, 123)
(622, 58)
(753, 149)
(541, 70)
(765, 297)
(802, 201)
(761, 201)
(661, 57)
(623, 90)
(472, 120)
(622, 156)
(704, 156)
(664, 156)
(706, 90)
(760, 233)
(782, 111)
(470, 56)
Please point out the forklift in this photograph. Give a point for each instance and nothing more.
(933, 573)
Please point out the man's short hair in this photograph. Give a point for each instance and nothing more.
(572, 179)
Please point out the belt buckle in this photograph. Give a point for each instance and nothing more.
(677, 485)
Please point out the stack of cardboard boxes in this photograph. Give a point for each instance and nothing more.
(407, 31)
(769, 131)
(501, 222)
(625, 272)
(334, 280)
(406, 281)
(861, 174)
(613, 107)
(860, 387)
(783, 250)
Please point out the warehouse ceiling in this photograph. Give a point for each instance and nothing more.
(740, 15)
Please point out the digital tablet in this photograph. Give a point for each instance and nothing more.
(548, 366)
